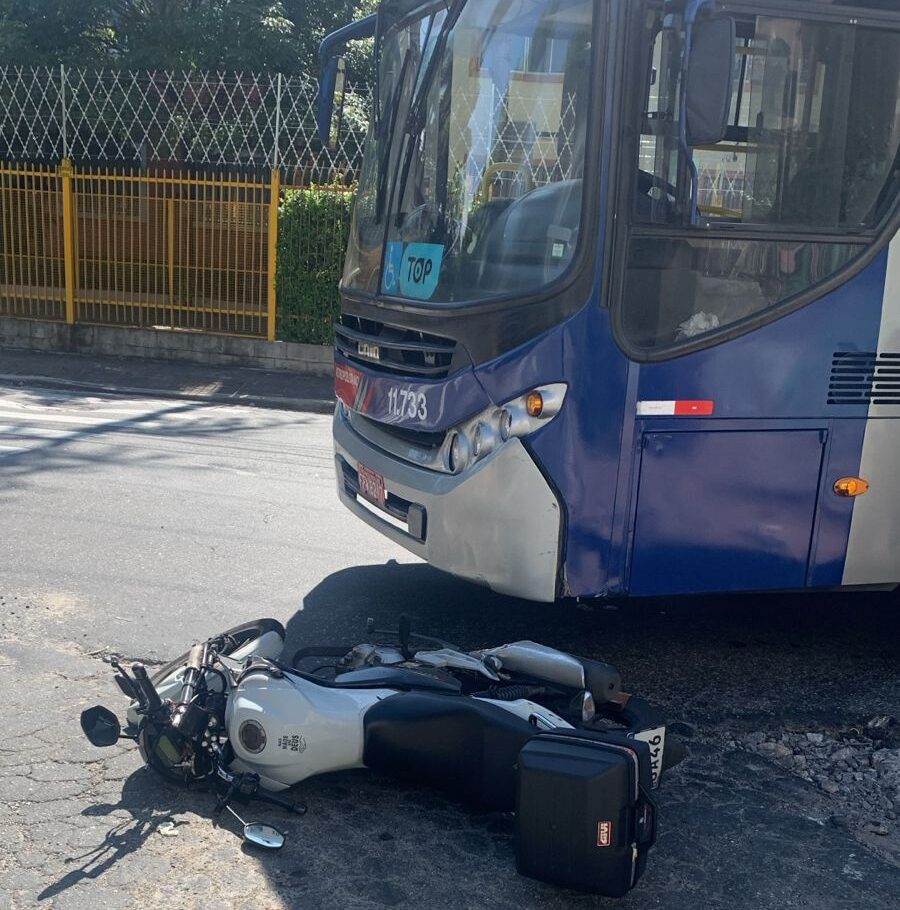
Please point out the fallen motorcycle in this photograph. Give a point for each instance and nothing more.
(520, 727)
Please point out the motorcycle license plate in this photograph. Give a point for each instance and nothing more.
(656, 740)
(371, 485)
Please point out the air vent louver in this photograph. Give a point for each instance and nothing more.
(400, 351)
(859, 377)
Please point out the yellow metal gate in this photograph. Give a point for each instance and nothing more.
(32, 258)
(119, 247)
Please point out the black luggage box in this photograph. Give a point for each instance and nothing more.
(584, 817)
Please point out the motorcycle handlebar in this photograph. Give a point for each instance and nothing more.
(146, 687)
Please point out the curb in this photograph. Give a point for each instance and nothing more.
(171, 346)
(272, 402)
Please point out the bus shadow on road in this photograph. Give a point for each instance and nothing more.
(721, 667)
(745, 659)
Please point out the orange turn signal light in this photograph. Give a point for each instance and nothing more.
(534, 404)
(851, 486)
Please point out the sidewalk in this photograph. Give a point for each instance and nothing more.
(165, 379)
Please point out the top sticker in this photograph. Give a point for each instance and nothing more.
(420, 270)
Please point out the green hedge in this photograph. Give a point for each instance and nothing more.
(313, 227)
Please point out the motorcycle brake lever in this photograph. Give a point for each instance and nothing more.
(246, 787)
(126, 684)
(223, 801)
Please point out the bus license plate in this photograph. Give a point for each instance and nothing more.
(371, 485)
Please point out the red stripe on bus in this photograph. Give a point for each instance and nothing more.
(701, 408)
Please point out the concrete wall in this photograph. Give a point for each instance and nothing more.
(166, 344)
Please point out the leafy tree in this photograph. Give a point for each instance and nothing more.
(50, 32)
(313, 19)
(212, 35)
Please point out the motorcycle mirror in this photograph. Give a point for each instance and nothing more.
(263, 836)
(100, 726)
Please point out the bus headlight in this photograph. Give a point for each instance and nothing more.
(458, 453)
(495, 426)
(485, 439)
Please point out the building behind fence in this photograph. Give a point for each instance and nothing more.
(160, 199)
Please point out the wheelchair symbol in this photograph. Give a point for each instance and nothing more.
(392, 261)
(390, 277)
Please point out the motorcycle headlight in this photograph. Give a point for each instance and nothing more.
(168, 748)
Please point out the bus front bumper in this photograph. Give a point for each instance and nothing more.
(498, 523)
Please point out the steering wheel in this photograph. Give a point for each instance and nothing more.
(419, 225)
(655, 191)
(648, 182)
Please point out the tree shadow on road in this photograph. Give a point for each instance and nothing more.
(148, 432)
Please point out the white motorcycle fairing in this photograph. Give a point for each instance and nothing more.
(300, 728)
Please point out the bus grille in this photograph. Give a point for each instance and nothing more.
(393, 350)
(859, 377)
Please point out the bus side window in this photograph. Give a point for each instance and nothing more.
(812, 149)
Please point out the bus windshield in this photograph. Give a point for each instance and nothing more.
(472, 182)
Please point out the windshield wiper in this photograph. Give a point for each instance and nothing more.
(414, 115)
(393, 109)
(414, 123)
(384, 137)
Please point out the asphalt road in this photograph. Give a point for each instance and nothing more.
(135, 527)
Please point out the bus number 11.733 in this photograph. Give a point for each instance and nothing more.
(407, 403)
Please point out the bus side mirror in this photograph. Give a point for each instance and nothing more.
(333, 76)
(331, 105)
(710, 80)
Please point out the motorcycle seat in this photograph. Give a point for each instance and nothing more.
(397, 678)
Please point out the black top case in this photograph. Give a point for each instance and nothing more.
(584, 817)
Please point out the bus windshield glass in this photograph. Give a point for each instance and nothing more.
(472, 182)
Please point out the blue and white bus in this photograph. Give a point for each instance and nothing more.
(621, 307)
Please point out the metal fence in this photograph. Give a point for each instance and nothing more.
(169, 215)
(123, 247)
(202, 119)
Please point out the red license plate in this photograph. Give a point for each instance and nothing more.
(371, 485)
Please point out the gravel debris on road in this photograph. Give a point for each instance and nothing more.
(859, 768)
